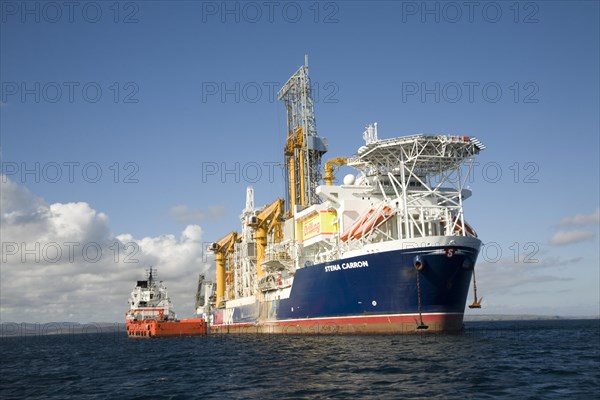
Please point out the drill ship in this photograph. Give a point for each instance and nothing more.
(386, 251)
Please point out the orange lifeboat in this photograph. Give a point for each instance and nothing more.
(349, 233)
(366, 223)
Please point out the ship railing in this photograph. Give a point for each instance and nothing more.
(279, 251)
(323, 251)
(428, 154)
(419, 222)
(279, 256)
(141, 314)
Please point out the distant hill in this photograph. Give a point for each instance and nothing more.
(19, 329)
(16, 329)
(521, 317)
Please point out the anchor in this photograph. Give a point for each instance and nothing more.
(421, 325)
(476, 303)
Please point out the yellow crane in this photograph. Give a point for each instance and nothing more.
(222, 249)
(267, 221)
(294, 156)
(331, 166)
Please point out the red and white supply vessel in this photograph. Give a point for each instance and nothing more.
(151, 313)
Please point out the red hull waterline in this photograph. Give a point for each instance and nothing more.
(373, 324)
(163, 329)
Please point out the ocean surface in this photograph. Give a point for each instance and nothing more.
(520, 359)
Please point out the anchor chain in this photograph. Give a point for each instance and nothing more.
(420, 324)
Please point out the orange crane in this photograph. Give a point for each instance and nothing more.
(267, 221)
(222, 250)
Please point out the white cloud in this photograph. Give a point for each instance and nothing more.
(183, 214)
(562, 237)
(60, 262)
(582, 219)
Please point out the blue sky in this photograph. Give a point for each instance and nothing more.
(179, 96)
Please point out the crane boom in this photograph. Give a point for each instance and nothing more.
(331, 166)
(222, 249)
(267, 221)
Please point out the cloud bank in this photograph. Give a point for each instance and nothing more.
(570, 235)
(582, 219)
(60, 262)
(562, 238)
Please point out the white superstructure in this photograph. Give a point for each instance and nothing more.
(150, 300)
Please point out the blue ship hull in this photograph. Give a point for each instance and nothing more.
(371, 293)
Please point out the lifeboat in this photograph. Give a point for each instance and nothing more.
(366, 224)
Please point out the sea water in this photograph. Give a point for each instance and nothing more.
(520, 359)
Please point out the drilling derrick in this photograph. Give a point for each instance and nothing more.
(303, 148)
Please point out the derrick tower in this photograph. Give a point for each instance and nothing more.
(304, 148)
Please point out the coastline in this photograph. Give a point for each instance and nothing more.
(21, 329)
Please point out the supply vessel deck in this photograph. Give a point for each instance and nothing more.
(386, 251)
